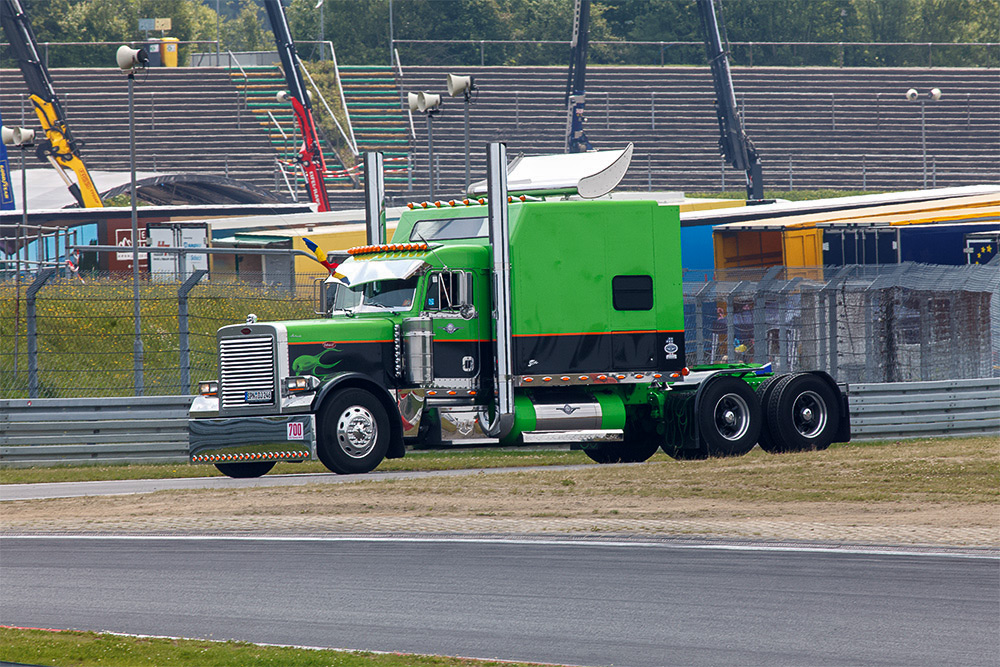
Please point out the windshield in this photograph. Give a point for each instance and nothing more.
(380, 295)
(450, 229)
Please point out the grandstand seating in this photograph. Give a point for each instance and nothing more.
(814, 127)
(187, 121)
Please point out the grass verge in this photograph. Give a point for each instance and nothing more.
(426, 460)
(91, 649)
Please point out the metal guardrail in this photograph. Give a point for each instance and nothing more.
(153, 429)
(925, 409)
(54, 431)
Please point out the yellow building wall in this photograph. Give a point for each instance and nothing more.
(803, 247)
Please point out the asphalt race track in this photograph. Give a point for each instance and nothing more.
(584, 603)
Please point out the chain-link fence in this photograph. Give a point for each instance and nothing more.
(73, 337)
(69, 338)
(870, 323)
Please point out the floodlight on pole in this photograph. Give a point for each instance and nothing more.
(429, 104)
(129, 60)
(22, 138)
(912, 95)
(463, 85)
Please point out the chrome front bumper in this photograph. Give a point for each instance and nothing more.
(263, 438)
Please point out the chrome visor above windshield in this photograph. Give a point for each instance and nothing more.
(361, 271)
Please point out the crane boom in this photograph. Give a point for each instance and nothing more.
(59, 147)
(310, 153)
(735, 145)
(576, 96)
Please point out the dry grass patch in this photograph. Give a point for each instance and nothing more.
(938, 491)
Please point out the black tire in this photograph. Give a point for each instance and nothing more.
(729, 417)
(353, 432)
(639, 442)
(803, 413)
(686, 454)
(245, 470)
(766, 440)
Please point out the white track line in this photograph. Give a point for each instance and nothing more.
(761, 547)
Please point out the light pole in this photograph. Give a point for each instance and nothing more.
(129, 60)
(912, 95)
(322, 31)
(24, 139)
(463, 85)
(429, 104)
(218, 55)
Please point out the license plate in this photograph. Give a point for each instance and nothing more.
(258, 396)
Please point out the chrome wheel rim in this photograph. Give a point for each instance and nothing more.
(732, 417)
(809, 414)
(357, 431)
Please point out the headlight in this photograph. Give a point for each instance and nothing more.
(208, 388)
(301, 383)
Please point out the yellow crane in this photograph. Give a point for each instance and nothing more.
(59, 147)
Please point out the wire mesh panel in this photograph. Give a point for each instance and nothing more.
(85, 331)
(873, 323)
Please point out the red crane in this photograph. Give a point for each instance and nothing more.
(310, 154)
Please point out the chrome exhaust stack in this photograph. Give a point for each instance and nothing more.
(374, 199)
(503, 397)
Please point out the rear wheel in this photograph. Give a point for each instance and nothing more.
(245, 470)
(803, 414)
(354, 432)
(765, 389)
(729, 418)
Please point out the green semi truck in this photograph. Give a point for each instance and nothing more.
(488, 319)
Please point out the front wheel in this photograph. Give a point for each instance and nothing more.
(729, 418)
(245, 470)
(803, 414)
(354, 432)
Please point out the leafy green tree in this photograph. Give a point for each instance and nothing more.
(248, 31)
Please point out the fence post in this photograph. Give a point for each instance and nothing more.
(699, 326)
(152, 110)
(925, 338)
(833, 111)
(722, 171)
(184, 329)
(831, 295)
(864, 172)
(652, 110)
(760, 315)
(40, 279)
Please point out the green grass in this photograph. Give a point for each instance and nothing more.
(428, 460)
(91, 649)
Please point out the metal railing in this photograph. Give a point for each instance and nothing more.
(697, 47)
(349, 134)
(45, 432)
(690, 52)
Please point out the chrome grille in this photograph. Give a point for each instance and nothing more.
(246, 365)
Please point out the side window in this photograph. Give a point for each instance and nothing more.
(632, 292)
(448, 290)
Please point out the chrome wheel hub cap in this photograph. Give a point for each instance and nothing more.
(732, 417)
(809, 414)
(357, 431)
